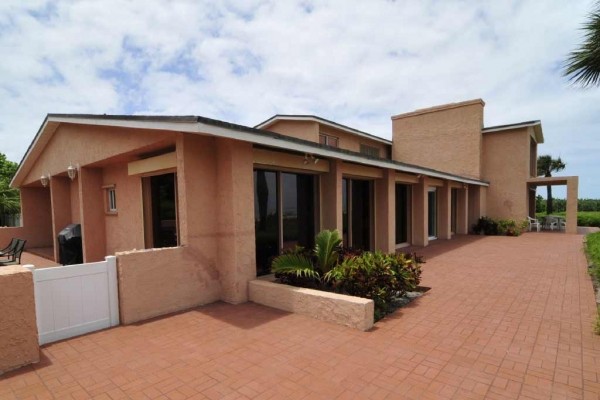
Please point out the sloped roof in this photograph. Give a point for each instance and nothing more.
(213, 127)
(314, 118)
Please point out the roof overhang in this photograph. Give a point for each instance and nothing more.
(312, 118)
(536, 127)
(206, 126)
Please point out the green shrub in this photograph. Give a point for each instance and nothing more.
(485, 225)
(592, 249)
(377, 276)
(510, 227)
(588, 218)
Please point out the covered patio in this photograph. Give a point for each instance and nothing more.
(572, 184)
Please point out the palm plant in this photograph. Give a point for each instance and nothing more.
(583, 65)
(546, 165)
(299, 263)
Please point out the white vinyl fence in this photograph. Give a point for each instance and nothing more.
(75, 299)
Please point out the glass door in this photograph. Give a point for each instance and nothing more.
(160, 210)
(402, 213)
(284, 214)
(266, 221)
(432, 213)
(357, 213)
(453, 209)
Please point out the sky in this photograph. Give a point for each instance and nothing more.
(353, 62)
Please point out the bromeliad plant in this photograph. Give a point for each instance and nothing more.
(306, 268)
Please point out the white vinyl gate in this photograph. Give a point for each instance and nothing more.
(75, 299)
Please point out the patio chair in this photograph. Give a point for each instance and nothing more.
(14, 257)
(10, 247)
(534, 223)
(551, 223)
(563, 225)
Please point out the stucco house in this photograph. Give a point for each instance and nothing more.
(208, 203)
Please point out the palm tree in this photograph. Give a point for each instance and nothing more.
(583, 65)
(546, 165)
(298, 264)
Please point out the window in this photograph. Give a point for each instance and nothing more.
(369, 150)
(110, 199)
(328, 140)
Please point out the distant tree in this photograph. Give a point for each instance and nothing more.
(583, 64)
(540, 204)
(10, 202)
(546, 165)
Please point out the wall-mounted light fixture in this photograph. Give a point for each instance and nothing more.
(45, 180)
(72, 171)
(310, 158)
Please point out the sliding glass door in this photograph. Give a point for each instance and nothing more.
(357, 213)
(432, 213)
(284, 214)
(402, 213)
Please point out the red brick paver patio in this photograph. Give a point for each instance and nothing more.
(506, 318)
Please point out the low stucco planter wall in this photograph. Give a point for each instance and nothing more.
(18, 328)
(345, 310)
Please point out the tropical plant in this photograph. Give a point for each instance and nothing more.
(377, 276)
(486, 226)
(546, 165)
(306, 266)
(583, 64)
(510, 227)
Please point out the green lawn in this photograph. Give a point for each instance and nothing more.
(584, 218)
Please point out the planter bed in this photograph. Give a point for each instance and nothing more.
(355, 312)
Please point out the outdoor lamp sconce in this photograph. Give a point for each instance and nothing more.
(72, 171)
(45, 179)
(309, 157)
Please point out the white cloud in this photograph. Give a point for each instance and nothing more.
(357, 63)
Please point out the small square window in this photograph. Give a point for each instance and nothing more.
(328, 140)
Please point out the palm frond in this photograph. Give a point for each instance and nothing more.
(294, 264)
(326, 245)
(583, 64)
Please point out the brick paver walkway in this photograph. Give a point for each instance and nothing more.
(506, 318)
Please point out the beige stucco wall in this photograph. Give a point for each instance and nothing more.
(18, 329)
(305, 130)
(351, 311)
(446, 138)
(351, 142)
(85, 145)
(125, 229)
(235, 229)
(160, 281)
(36, 220)
(93, 230)
(310, 130)
(507, 167)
